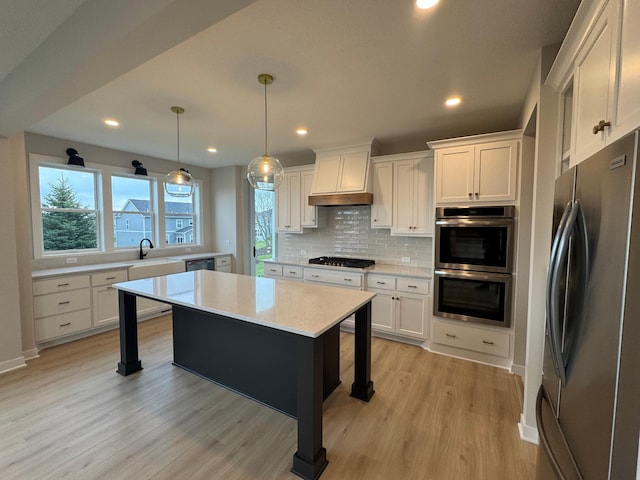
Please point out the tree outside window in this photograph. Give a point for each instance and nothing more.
(67, 222)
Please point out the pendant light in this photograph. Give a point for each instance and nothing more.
(265, 172)
(179, 183)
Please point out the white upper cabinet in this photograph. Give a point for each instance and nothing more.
(481, 168)
(288, 203)
(594, 77)
(382, 206)
(344, 170)
(413, 195)
(293, 212)
(600, 56)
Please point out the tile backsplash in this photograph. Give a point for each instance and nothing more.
(347, 232)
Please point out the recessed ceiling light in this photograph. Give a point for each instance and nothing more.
(424, 4)
(302, 131)
(453, 101)
(212, 149)
(111, 122)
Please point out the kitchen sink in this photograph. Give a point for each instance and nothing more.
(154, 267)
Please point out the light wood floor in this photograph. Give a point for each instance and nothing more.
(69, 415)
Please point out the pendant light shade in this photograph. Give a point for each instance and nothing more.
(265, 172)
(179, 183)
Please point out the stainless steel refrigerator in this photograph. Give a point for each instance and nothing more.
(588, 408)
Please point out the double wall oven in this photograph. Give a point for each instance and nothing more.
(474, 252)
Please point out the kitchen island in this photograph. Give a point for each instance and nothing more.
(274, 341)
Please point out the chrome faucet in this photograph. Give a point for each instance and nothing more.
(142, 255)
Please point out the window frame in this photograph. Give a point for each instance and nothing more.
(104, 219)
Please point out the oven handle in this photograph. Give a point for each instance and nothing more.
(498, 222)
(498, 277)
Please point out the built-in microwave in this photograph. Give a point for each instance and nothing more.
(479, 297)
(475, 238)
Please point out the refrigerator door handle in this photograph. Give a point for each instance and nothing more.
(553, 322)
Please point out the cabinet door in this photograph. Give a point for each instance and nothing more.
(309, 213)
(105, 306)
(382, 207)
(628, 111)
(594, 76)
(423, 221)
(495, 171)
(353, 172)
(454, 174)
(382, 311)
(288, 204)
(411, 314)
(403, 197)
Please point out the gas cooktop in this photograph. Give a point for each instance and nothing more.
(342, 262)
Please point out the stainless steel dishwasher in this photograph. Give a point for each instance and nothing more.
(200, 264)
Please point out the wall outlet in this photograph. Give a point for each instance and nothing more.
(72, 260)
(303, 252)
(187, 250)
(406, 259)
(227, 243)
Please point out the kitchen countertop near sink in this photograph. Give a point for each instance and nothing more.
(381, 268)
(99, 267)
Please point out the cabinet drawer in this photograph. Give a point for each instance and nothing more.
(333, 277)
(471, 338)
(413, 285)
(107, 278)
(223, 261)
(57, 303)
(382, 282)
(272, 270)
(60, 284)
(58, 325)
(292, 272)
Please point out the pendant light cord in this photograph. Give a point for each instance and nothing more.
(265, 120)
(178, 135)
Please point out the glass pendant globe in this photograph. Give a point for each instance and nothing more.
(265, 173)
(179, 183)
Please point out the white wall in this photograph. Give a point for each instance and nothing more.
(543, 177)
(10, 340)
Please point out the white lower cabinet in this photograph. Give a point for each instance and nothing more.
(61, 306)
(284, 271)
(223, 263)
(467, 337)
(402, 305)
(105, 297)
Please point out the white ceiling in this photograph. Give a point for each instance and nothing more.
(348, 70)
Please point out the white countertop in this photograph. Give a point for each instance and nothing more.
(304, 309)
(381, 268)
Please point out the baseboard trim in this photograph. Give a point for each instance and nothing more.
(518, 369)
(13, 364)
(31, 353)
(527, 433)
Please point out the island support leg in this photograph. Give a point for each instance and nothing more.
(129, 361)
(362, 387)
(311, 458)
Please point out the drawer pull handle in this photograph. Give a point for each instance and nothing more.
(412, 286)
(348, 279)
(487, 342)
(110, 278)
(64, 303)
(272, 269)
(63, 284)
(292, 273)
(450, 335)
(65, 324)
(315, 276)
(381, 283)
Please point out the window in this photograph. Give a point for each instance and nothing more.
(68, 209)
(102, 208)
(132, 208)
(180, 218)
